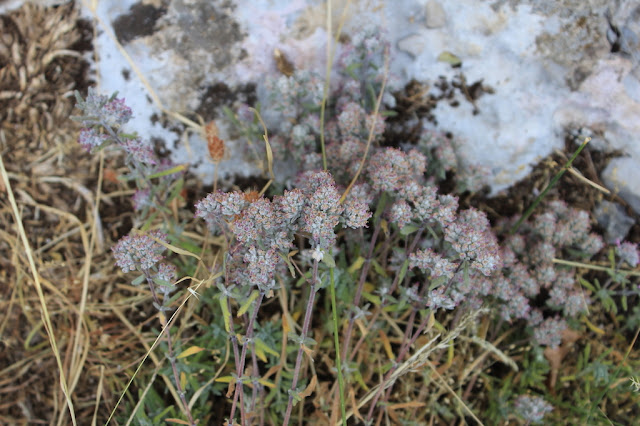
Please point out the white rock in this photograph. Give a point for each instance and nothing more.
(605, 102)
(414, 44)
(622, 176)
(435, 16)
(549, 64)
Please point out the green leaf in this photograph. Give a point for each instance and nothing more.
(262, 345)
(403, 270)
(161, 282)
(372, 298)
(175, 191)
(408, 229)
(586, 284)
(380, 207)
(378, 268)
(356, 265)
(437, 282)
(177, 169)
(246, 305)
(226, 315)
(190, 351)
(327, 258)
(139, 280)
(286, 259)
(231, 116)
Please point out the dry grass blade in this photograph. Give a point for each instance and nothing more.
(36, 280)
(421, 357)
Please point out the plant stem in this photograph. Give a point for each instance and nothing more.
(303, 335)
(336, 341)
(172, 358)
(245, 344)
(356, 299)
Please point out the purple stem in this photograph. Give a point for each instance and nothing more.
(172, 359)
(240, 368)
(303, 335)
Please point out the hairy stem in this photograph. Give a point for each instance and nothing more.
(172, 358)
(240, 368)
(303, 335)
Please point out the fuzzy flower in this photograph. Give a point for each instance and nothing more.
(362, 192)
(100, 109)
(139, 251)
(575, 303)
(426, 203)
(302, 138)
(289, 206)
(532, 408)
(411, 190)
(321, 227)
(345, 154)
(167, 273)
(389, 169)
(523, 280)
(545, 275)
(256, 220)
(549, 333)
(628, 252)
(516, 243)
(261, 266)
(428, 260)
(140, 151)
(378, 122)
(438, 299)
(91, 138)
(350, 119)
(115, 113)
(545, 225)
(323, 210)
(446, 212)
(417, 161)
(141, 199)
(515, 307)
(219, 207)
(356, 213)
(309, 181)
(535, 317)
(591, 244)
(400, 213)
(562, 286)
(471, 237)
(542, 253)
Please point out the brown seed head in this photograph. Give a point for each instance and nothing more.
(215, 145)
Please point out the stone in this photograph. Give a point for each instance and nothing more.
(614, 220)
(413, 44)
(621, 176)
(435, 16)
(552, 67)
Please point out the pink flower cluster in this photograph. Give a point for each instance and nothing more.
(471, 237)
(103, 117)
(264, 229)
(628, 253)
(103, 110)
(532, 408)
(139, 252)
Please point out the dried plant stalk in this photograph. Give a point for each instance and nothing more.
(215, 145)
